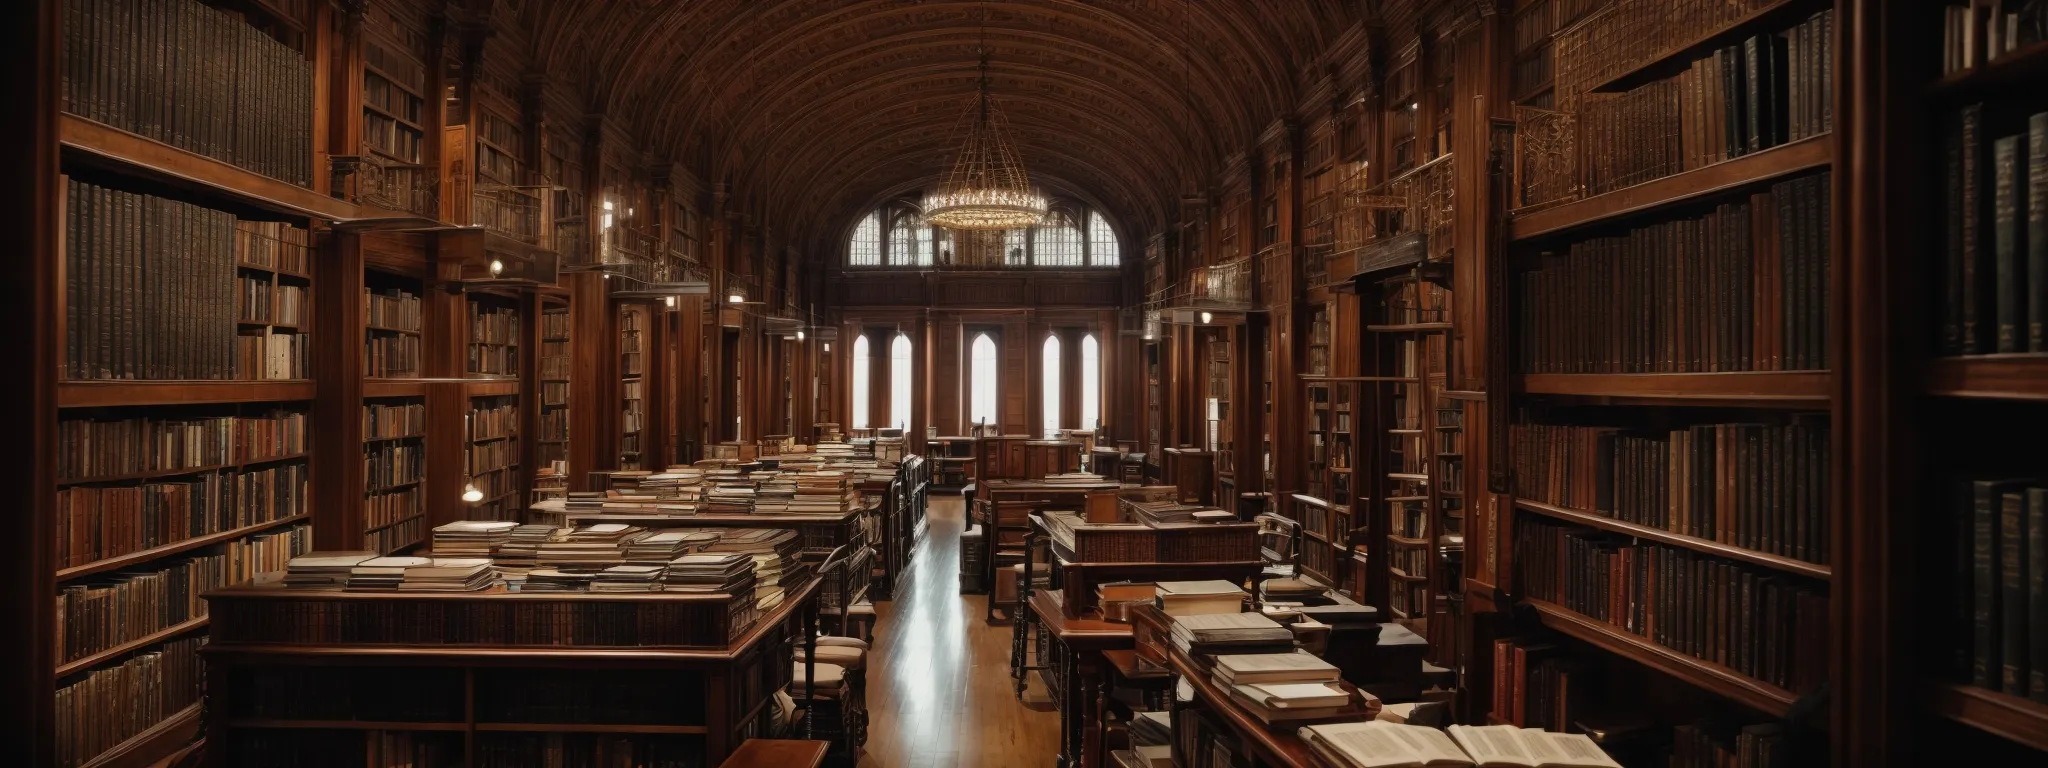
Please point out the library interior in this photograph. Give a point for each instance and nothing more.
(1005, 383)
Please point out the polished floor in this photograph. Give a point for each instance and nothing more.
(939, 691)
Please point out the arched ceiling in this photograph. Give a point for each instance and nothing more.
(813, 110)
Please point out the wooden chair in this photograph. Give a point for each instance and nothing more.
(1008, 521)
(1279, 544)
(835, 704)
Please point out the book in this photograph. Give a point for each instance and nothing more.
(1273, 668)
(1217, 633)
(2037, 232)
(1379, 744)
(1506, 745)
(1294, 695)
(2008, 158)
(1190, 598)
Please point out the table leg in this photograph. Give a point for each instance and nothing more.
(1095, 697)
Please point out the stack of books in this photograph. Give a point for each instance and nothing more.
(521, 549)
(382, 573)
(773, 492)
(1230, 633)
(590, 547)
(1294, 591)
(827, 492)
(449, 574)
(584, 501)
(724, 572)
(1194, 598)
(1288, 687)
(733, 497)
(323, 570)
(775, 560)
(472, 538)
(627, 578)
(663, 546)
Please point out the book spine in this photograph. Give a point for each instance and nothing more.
(2012, 552)
(2005, 238)
(1985, 664)
(2037, 232)
(1971, 216)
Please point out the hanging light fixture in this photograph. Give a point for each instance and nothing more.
(987, 188)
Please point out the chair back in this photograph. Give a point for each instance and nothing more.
(1279, 541)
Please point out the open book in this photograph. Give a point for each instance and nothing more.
(1380, 744)
(1506, 745)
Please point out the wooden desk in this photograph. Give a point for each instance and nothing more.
(1000, 489)
(1076, 672)
(778, 753)
(1273, 747)
(266, 637)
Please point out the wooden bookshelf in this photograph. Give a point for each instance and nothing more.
(158, 741)
(98, 145)
(1669, 62)
(103, 394)
(1707, 546)
(493, 456)
(2022, 720)
(123, 649)
(1789, 387)
(2015, 69)
(1713, 678)
(174, 548)
(1688, 186)
(2000, 377)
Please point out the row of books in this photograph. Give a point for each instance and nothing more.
(149, 287)
(131, 605)
(554, 325)
(1741, 288)
(269, 354)
(2001, 550)
(197, 78)
(391, 309)
(390, 465)
(554, 394)
(1757, 622)
(1767, 90)
(265, 301)
(386, 136)
(554, 361)
(97, 523)
(273, 245)
(391, 357)
(102, 708)
(1537, 684)
(398, 419)
(1977, 33)
(392, 538)
(90, 448)
(493, 325)
(488, 421)
(390, 507)
(1757, 486)
(492, 456)
(1994, 266)
(492, 360)
(382, 94)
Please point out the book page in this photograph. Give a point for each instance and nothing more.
(1493, 744)
(1566, 750)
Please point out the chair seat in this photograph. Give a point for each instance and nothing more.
(839, 656)
(863, 608)
(843, 642)
(828, 681)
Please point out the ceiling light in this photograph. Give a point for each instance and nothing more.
(471, 494)
(735, 299)
(988, 188)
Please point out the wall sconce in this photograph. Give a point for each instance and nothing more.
(828, 346)
(497, 267)
(1206, 317)
(799, 335)
(670, 301)
(734, 298)
(471, 494)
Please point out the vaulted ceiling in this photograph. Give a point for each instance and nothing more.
(813, 110)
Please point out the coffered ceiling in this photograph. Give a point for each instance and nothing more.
(813, 110)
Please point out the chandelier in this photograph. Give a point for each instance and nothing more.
(987, 188)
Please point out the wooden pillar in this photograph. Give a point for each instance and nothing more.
(337, 416)
(690, 331)
(593, 387)
(335, 48)
(530, 306)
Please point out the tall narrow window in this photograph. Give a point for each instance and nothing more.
(860, 382)
(1013, 249)
(1091, 382)
(981, 403)
(1051, 386)
(1057, 244)
(865, 250)
(910, 243)
(899, 382)
(1102, 248)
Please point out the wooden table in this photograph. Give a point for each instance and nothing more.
(1077, 672)
(1277, 748)
(778, 753)
(995, 490)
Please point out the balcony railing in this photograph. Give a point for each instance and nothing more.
(393, 186)
(512, 212)
(1222, 285)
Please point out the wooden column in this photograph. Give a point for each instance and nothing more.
(335, 48)
(337, 416)
(593, 387)
(656, 343)
(530, 306)
(29, 175)
(690, 331)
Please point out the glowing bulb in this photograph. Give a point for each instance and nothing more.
(671, 300)
(471, 494)
(1414, 105)
(799, 335)
(736, 298)
(828, 346)
(1206, 317)
(497, 267)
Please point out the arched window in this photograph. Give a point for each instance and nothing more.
(860, 382)
(865, 250)
(910, 243)
(1091, 382)
(1058, 243)
(899, 382)
(1051, 385)
(1102, 249)
(981, 403)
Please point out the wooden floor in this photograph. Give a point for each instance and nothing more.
(939, 690)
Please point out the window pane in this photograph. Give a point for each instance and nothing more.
(981, 408)
(910, 243)
(1091, 382)
(860, 382)
(1058, 244)
(1013, 249)
(899, 382)
(866, 248)
(1051, 386)
(1102, 248)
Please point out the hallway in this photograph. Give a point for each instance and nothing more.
(939, 693)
